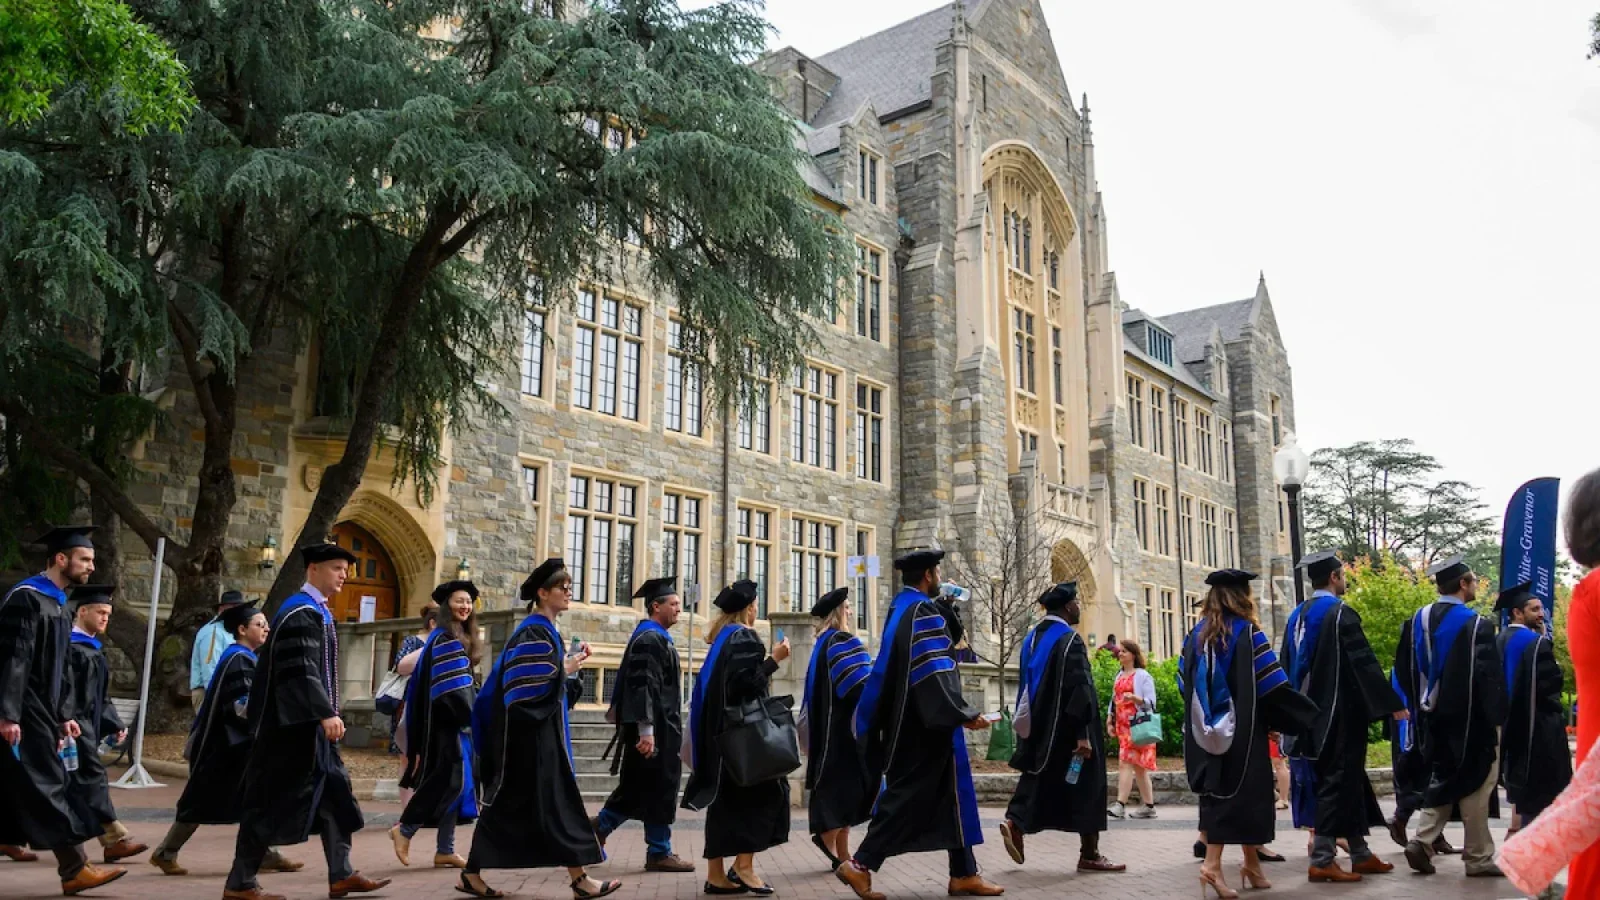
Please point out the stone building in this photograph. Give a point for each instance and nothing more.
(981, 362)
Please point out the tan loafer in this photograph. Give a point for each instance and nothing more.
(88, 878)
(402, 846)
(858, 881)
(355, 884)
(449, 861)
(974, 886)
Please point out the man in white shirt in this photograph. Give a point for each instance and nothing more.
(209, 642)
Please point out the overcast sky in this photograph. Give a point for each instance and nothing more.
(1420, 182)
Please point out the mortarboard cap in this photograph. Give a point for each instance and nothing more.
(67, 537)
(1230, 578)
(1059, 595)
(1320, 565)
(1515, 597)
(656, 589)
(542, 577)
(230, 598)
(441, 594)
(1448, 569)
(917, 561)
(236, 617)
(88, 594)
(736, 596)
(321, 553)
(829, 602)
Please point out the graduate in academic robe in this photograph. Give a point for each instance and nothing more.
(1058, 726)
(531, 813)
(34, 719)
(219, 743)
(1535, 764)
(909, 723)
(439, 699)
(295, 783)
(741, 820)
(1326, 657)
(647, 709)
(88, 679)
(842, 790)
(1448, 666)
(1234, 693)
(1410, 776)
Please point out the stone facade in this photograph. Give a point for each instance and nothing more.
(979, 364)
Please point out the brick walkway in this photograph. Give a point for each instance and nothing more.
(1157, 853)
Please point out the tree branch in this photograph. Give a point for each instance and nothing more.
(189, 344)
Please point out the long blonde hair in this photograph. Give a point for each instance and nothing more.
(834, 620)
(743, 617)
(1221, 602)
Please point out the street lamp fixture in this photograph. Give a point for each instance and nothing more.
(1291, 465)
(269, 554)
(464, 570)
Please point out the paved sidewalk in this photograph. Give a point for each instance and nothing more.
(1157, 852)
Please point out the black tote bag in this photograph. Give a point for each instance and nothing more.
(759, 743)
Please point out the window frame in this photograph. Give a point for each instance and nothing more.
(1158, 420)
(700, 532)
(540, 505)
(690, 378)
(1024, 349)
(1141, 513)
(1210, 535)
(636, 522)
(804, 402)
(1230, 538)
(1186, 527)
(871, 290)
(1058, 367)
(1135, 399)
(1180, 430)
(865, 419)
(1204, 460)
(870, 187)
(764, 412)
(1225, 448)
(802, 587)
(744, 567)
(1163, 520)
(865, 601)
(642, 339)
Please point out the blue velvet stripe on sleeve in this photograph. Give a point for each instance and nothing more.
(451, 669)
(848, 664)
(1269, 675)
(531, 672)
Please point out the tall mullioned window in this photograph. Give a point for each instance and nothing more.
(1136, 411)
(871, 165)
(1225, 450)
(869, 431)
(602, 523)
(1202, 441)
(1024, 348)
(533, 337)
(815, 417)
(1186, 526)
(607, 355)
(682, 534)
(755, 413)
(1141, 512)
(1163, 521)
(869, 292)
(753, 551)
(1056, 367)
(1158, 421)
(813, 560)
(685, 408)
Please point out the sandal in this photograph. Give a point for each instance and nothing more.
(466, 887)
(606, 887)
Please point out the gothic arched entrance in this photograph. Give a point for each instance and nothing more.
(372, 575)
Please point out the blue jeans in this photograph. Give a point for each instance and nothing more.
(446, 834)
(657, 838)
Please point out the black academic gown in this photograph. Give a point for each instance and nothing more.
(1457, 739)
(842, 790)
(1236, 788)
(532, 813)
(219, 745)
(438, 734)
(650, 691)
(909, 722)
(1343, 678)
(1535, 764)
(33, 654)
(1064, 710)
(293, 770)
(739, 819)
(88, 679)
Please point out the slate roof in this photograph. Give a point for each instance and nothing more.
(1192, 328)
(893, 69)
(812, 172)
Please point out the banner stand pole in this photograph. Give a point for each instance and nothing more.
(136, 777)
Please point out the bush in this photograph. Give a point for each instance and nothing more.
(1169, 700)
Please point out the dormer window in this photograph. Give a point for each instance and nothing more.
(1159, 343)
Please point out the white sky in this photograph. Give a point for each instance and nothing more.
(1418, 180)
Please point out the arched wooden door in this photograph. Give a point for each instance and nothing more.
(372, 575)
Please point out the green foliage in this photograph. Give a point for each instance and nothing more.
(90, 46)
(1385, 595)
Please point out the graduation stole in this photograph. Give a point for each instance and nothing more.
(85, 640)
(1305, 626)
(1036, 649)
(1518, 641)
(867, 706)
(42, 585)
(1424, 643)
(1211, 712)
(701, 679)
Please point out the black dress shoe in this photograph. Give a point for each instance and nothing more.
(1199, 849)
(765, 890)
(717, 891)
(1266, 855)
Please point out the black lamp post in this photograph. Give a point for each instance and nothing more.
(1291, 465)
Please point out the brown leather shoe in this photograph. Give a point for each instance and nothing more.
(18, 854)
(1332, 873)
(859, 881)
(254, 893)
(1100, 864)
(669, 863)
(974, 886)
(1011, 835)
(123, 849)
(355, 884)
(88, 878)
(277, 862)
(168, 866)
(1372, 865)
(449, 861)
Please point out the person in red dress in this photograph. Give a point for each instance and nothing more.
(1583, 641)
(1134, 692)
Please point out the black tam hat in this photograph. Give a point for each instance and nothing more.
(1516, 597)
(542, 577)
(1231, 578)
(829, 602)
(1059, 596)
(916, 562)
(89, 594)
(321, 553)
(656, 589)
(236, 617)
(441, 594)
(1319, 566)
(735, 597)
(60, 540)
(1449, 570)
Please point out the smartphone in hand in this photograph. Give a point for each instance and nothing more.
(780, 635)
(992, 717)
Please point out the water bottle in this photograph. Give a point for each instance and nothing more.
(69, 755)
(1074, 770)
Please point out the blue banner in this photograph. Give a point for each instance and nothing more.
(1528, 542)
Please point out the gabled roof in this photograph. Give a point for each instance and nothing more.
(893, 69)
(1192, 328)
(812, 172)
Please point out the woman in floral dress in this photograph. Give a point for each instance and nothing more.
(1134, 692)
